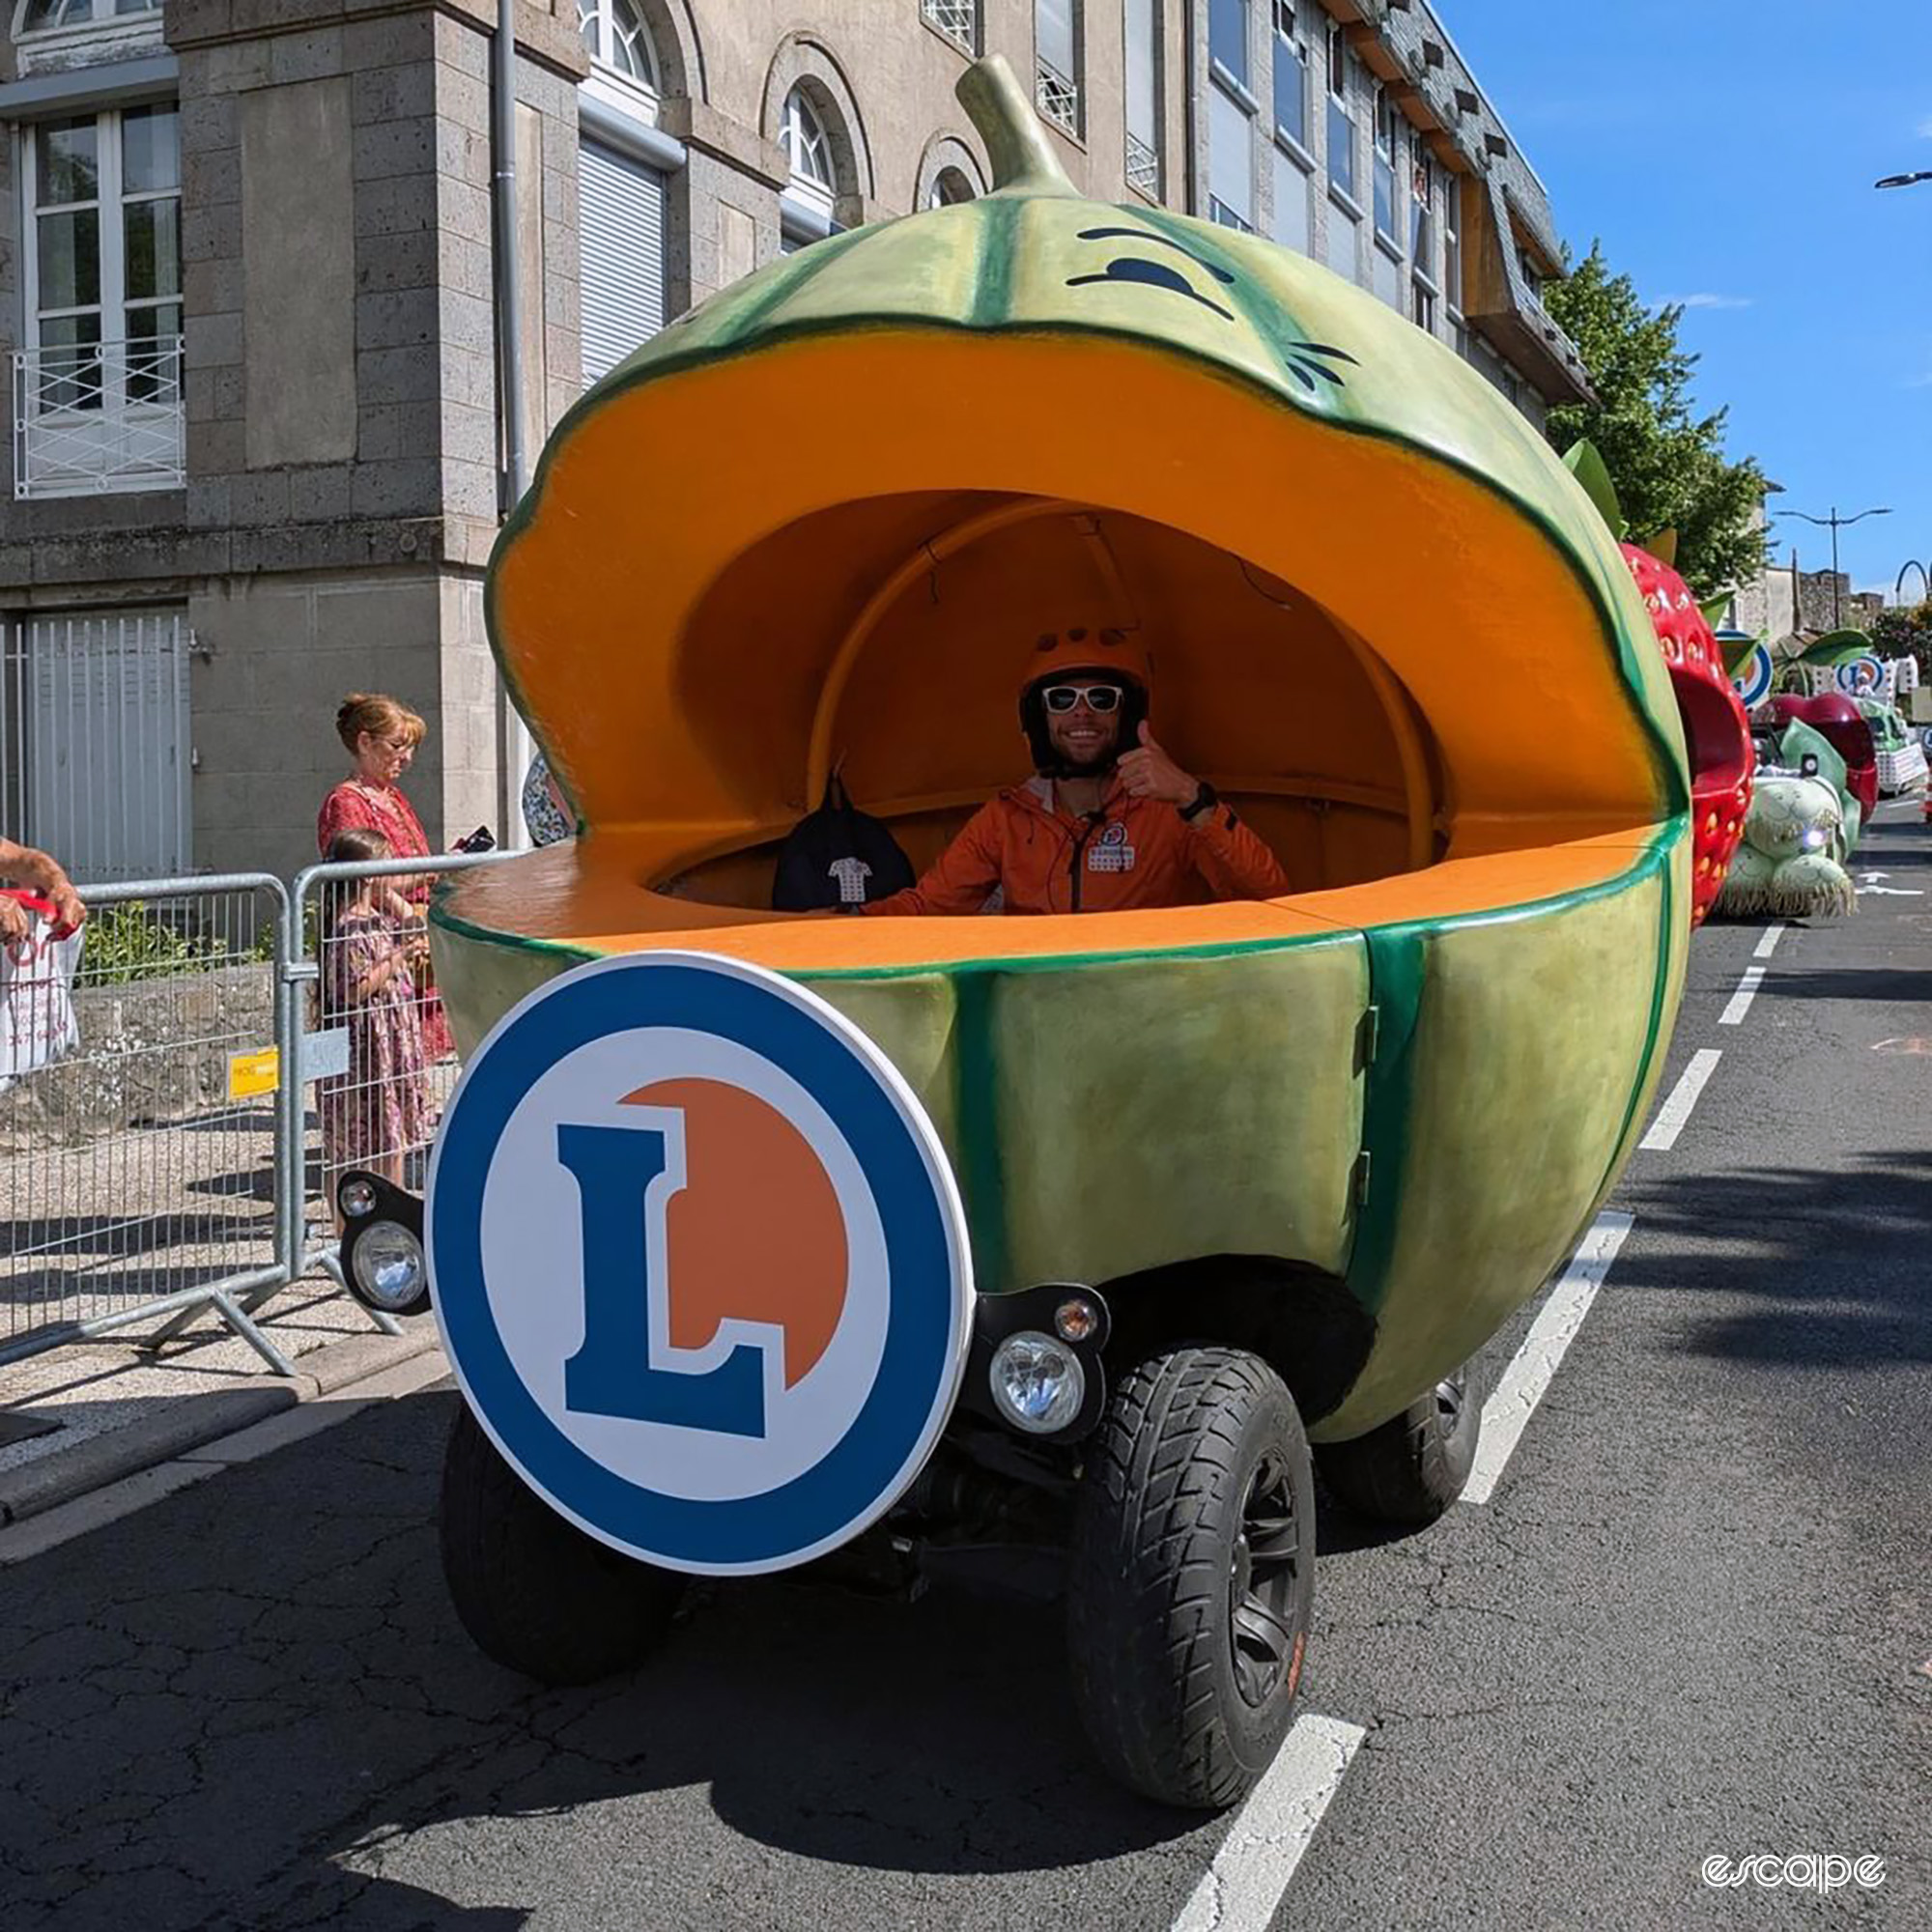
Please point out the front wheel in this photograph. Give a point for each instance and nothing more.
(1191, 1577)
(534, 1592)
(1413, 1468)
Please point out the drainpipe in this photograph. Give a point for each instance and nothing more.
(1189, 59)
(506, 271)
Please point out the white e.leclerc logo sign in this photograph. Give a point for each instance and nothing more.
(699, 1260)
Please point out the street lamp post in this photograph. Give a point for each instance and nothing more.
(1834, 524)
(1905, 180)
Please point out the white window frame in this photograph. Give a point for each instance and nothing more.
(1292, 35)
(1422, 198)
(1240, 75)
(1341, 72)
(636, 100)
(1061, 98)
(1386, 143)
(111, 201)
(947, 18)
(806, 139)
(1452, 211)
(1143, 159)
(102, 36)
(936, 195)
(610, 39)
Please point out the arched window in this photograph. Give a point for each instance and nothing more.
(802, 136)
(39, 14)
(615, 36)
(949, 186)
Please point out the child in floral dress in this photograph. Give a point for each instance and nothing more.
(380, 1109)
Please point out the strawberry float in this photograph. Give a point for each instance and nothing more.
(1717, 735)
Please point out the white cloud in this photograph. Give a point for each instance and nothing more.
(1925, 131)
(1706, 300)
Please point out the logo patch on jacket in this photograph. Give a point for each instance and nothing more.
(1111, 852)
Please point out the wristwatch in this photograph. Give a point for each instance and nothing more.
(1204, 800)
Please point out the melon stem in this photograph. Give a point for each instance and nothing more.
(1017, 146)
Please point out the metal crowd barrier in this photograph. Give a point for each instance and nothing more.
(239, 1043)
(368, 1030)
(137, 1172)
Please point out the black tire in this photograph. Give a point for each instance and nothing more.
(535, 1593)
(1413, 1468)
(1191, 1577)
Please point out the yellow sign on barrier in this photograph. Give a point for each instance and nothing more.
(251, 1074)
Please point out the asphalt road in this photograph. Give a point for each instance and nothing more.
(1690, 1624)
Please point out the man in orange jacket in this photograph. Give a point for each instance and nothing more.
(1098, 828)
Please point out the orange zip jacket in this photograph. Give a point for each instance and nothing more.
(1132, 853)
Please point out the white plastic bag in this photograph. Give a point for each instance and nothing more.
(37, 1022)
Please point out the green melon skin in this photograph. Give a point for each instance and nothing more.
(1107, 1115)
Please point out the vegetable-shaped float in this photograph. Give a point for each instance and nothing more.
(1715, 731)
(1344, 1133)
(1838, 721)
(1798, 833)
(1791, 862)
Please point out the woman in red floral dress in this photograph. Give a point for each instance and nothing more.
(382, 737)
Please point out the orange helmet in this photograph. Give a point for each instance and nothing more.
(1099, 651)
(1103, 649)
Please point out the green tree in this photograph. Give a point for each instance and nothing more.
(1667, 462)
(1906, 630)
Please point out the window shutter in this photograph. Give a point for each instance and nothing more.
(622, 204)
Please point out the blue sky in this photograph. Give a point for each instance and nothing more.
(1724, 151)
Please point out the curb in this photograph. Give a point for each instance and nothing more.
(190, 1421)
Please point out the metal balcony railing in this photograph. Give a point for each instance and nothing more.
(98, 416)
(1059, 98)
(1143, 168)
(957, 19)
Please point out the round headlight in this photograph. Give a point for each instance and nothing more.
(1037, 1382)
(387, 1265)
(1075, 1318)
(355, 1199)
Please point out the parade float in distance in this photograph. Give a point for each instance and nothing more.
(1829, 746)
(758, 1238)
(1717, 735)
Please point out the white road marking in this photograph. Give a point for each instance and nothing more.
(1507, 1412)
(1240, 1890)
(1768, 945)
(1675, 1112)
(1734, 1013)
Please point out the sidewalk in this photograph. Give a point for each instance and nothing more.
(121, 1410)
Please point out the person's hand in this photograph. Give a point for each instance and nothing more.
(69, 914)
(15, 921)
(1148, 772)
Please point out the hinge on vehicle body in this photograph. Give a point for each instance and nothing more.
(1367, 1033)
(1364, 1162)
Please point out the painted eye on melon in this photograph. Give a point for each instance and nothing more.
(1138, 273)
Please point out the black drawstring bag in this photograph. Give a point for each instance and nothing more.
(837, 856)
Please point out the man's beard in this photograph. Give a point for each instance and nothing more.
(1100, 764)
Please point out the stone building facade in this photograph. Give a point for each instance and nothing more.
(250, 302)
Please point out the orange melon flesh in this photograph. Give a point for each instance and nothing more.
(590, 896)
(671, 692)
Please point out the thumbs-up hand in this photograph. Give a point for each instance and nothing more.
(1148, 772)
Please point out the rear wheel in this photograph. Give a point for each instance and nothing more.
(1415, 1464)
(1192, 1576)
(534, 1592)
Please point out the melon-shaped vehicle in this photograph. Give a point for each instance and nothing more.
(1307, 1153)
